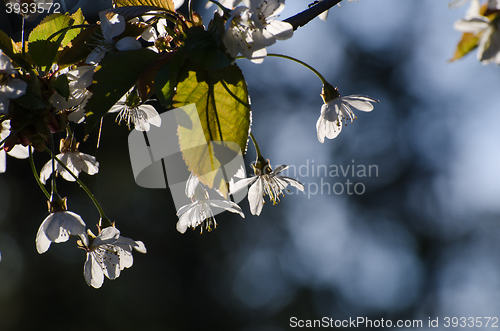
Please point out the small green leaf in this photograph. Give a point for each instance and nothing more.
(118, 73)
(166, 79)
(79, 48)
(7, 45)
(467, 44)
(78, 19)
(223, 108)
(43, 42)
(61, 85)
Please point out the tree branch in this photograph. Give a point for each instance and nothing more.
(307, 15)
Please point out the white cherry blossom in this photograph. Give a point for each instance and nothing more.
(74, 160)
(337, 111)
(111, 28)
(200, 210)
(18, 151)
(489, 41)
(265, 182)
(107, 255)
(58, 227)
(79, 79)
(253, 26)
(10, 87)
(141, 116)
(489, 31)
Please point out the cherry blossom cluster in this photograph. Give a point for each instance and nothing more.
(63, 92)
(482, 23)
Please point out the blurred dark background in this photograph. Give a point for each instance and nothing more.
(420, 242)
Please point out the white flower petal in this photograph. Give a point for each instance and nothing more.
(291, 181)
(191, 185)
(107, 236)
(57, 227)
(126, 258)
(256, 197)
(323, 16)
(494, 4)
(20, 152)
(236, 187)
(152, 115)
(42, 241)
(93, 273)
(128, 44)
(15, 89)
(130, 243)
(111, 263)
(281, 30)
(95, 56)
(489, 45)
(475, 25)
(227, 205)
(256, 56)
(111, 27)
(85, 162)
(178, 3)
(3, 161)
(141, 125)
(182, 224)
(360, 102)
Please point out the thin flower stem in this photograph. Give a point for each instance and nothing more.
(190, 7)
(54, 188)
(35, 173)
(22, 39)
(82, 185)
(320, 76)
(219, 5)
(257, 149)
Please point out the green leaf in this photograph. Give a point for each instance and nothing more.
(467, 44)
(165, 4)
(71, 34)
(166, 79)
(9, 48)
(79, 48)
(43, 42)
(7, 45)
(223, 109)
(61, 85)
(118, 73)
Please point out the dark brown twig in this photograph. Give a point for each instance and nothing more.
(307, 15)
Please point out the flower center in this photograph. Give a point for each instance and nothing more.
(131, 115)
(5, 77)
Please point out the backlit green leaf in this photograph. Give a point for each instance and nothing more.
(223, 109)
(44, 42)
(166, 78)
